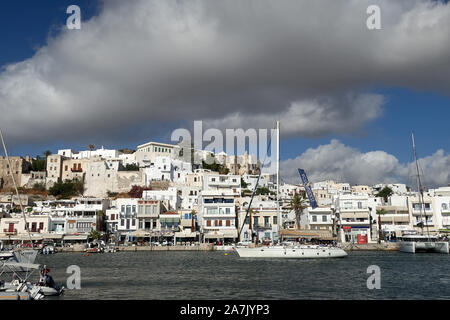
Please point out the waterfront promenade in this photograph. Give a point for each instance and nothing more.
(210, 247)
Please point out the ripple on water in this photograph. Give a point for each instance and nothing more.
(212, 275)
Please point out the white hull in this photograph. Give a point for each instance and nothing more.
(428, 246)
(302, 252)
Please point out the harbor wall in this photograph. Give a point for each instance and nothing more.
(201, 247)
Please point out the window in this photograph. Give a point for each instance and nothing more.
(122, 222)
(122, 209)
(140, 209)
(314, 218)
(148, 209)
(228, 223)
(324, 218)
(275, 220)
(208, 223)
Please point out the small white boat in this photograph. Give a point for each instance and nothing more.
(291, 252)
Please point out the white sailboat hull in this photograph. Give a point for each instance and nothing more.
(303, 252)
(427, 246)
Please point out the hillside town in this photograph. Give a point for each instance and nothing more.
(153, 196)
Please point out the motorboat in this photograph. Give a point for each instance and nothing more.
(21, 287)
(291, 252)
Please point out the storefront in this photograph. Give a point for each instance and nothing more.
(356, 234)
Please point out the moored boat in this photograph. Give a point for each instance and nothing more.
(291, 252)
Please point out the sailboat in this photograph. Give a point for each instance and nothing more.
(285, 251)
(24, 255)
(413, 242)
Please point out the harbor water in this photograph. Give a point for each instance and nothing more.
(221, 275)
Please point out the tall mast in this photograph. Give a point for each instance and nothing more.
(15, 184)
(419, 186)
(278, 181)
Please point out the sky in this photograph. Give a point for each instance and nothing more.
(347, 97)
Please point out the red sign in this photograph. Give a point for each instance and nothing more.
(362, 239)
(347, 228)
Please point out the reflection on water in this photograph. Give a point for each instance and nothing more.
(214, 275)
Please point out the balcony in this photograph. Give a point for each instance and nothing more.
(147, 215)
(354, 208)
(418, 212)
(263, 227)
(76, 169)
(10, 232)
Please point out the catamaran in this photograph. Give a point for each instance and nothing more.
(288, 251)
(413, 242)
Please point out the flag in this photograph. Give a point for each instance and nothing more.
(306, 184)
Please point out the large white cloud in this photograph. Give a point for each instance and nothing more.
(160, 62)
(345, 164)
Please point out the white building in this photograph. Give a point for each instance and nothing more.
(122, 218)
(355, 220)
(397, 188)
(442, 207)
(222, 183)
(217, 215)
(87, 154)
(263, 217)
(167, 169)
(252, 179)
(170, 198)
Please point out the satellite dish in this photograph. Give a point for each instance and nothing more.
(291, 215)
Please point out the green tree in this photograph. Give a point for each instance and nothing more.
(385, 193)
(244, 184)
(67, 189)
(95, 235)
(131, 167)
(38, 164)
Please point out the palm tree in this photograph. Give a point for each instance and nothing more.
(298, 204)
(91, 147)
(95, 235)
(193, 213)
(250, 225)
(380, 212)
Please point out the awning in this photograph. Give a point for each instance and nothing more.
(52, 236)
(3, 237)
(141, 234)
(214, 235)
(74, 237)
(186, 234)
(356, 215)
(221, 234)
